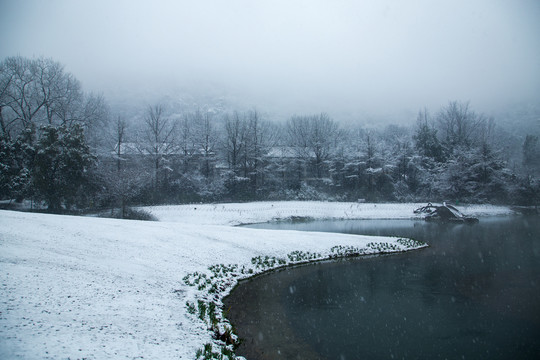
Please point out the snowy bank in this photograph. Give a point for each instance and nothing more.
(81, 287)
(250, 213)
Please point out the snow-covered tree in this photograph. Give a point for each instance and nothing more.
(38, 98)
(531, 155)
(62, 160)
(16, 158)
(425, 138)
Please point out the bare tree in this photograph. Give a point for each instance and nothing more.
(235, 128)
(313, 138)
(425, 137)
(6, 78)
(259, 137)
(35, 92)
(198, 137)
(23, 97)
(459, 124)
(206, 140)
(160, 141)
(298, 134)
(120, 135)
(60, 92)
(187, 139)
(531, 155)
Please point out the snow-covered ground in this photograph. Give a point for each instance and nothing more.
(83, 287)
(247, 213)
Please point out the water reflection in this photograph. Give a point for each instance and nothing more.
(473, 294)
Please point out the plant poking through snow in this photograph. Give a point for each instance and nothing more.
(383, 247)
(267, 262)
(411, 243)
(207, 353)
(195, 278)
(299, 256)
(223, 332)
(202, 309)
(346, 251)
(191, 308)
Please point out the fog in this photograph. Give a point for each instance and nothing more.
(348, 58)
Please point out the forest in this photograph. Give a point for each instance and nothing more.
(65, 150)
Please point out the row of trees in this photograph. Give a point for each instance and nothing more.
(456, 155)
(61, 146)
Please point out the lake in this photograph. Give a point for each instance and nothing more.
(473, 294)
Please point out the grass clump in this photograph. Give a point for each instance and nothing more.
(202, 309)
(212, 313)
(299, 256)
(346, 251)
(195, 278)
(191, 308)
(208, 353)
(267, 262)
(383, 247)
(410, 243)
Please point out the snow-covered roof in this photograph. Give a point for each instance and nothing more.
(131, 148)
(281, 152)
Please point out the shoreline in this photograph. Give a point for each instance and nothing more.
(108, 288)
(231, 300)
(225, 324)
(223, 329)
(450, 263)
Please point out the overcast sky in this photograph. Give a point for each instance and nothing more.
(298, 56)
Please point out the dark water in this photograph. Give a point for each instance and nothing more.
(473, 294)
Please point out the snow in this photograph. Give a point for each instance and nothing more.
(83, 287)
(245, 213)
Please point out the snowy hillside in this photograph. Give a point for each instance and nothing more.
(81, 287)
